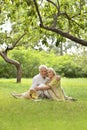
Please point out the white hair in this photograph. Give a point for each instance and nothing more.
(52, 70)
(42, 66)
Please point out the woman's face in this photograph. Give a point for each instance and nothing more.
(50, 74)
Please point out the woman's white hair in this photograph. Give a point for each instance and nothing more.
(51, 69)
(42, 66)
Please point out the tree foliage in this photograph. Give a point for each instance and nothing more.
(66, 18)
(55, 20)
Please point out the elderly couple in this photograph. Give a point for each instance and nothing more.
(46, 84)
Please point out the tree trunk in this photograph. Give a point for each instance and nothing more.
(16, 64)
(61, 49)
(19, 72)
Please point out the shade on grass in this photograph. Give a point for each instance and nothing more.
(21, 114)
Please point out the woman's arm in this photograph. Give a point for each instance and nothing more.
(57, 77)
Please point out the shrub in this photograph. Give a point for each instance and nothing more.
(67, 65)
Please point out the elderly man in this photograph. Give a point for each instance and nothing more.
(39, 80)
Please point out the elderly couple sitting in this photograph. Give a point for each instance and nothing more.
(46, 84)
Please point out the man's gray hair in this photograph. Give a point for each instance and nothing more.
(42, 66)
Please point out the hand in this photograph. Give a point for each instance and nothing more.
(58, 77)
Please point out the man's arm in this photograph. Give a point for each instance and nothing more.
(45, 87)
(34, 83)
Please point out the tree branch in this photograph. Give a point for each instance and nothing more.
(52, 3)
(14, 44)
(66, 35)
(8, 60)
(55, 19)
(70, 19)
(61, 13)
(37, 9)
(58, 31)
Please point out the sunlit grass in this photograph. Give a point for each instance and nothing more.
(21, 114)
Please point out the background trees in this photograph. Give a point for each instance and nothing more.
(48, 24)
(30, 59)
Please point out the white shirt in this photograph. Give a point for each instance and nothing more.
(38, 80)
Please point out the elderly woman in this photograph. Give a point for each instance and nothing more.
(55, 90)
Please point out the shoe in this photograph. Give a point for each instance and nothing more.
(73, 99)
(70, 98)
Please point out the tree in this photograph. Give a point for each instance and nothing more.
(59, 15)
(59, 19)
(21, 18)
(3, 52)
(7, 15)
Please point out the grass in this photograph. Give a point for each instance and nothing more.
(23, 114)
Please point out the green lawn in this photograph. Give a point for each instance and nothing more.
(23, 114)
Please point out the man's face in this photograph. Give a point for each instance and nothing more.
(43, 72)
